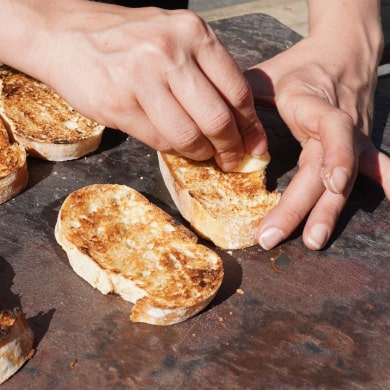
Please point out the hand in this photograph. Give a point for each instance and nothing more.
(326, 99)
(160, 76)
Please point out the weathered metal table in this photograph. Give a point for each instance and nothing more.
(284, 319)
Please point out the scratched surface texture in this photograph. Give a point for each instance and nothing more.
(285, 319)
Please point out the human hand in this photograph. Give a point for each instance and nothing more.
(326, 99)
(160, 76)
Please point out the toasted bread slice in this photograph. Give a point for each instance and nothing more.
(119, 242)
(13, 167)
(224, 207)
(42, 122)
(16, 342)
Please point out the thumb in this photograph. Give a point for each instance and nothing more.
(376, 165)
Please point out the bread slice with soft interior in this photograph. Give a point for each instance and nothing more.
(42, 122)
(223, 207)
(16, 342)
(13, 167)
(121, 243)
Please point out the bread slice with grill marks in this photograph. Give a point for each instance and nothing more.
(13, 167)
(121, 243)
(223, 207)
(16, 342)
(42, 122)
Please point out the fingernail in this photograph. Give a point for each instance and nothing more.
(318, 236)
(337, 180)
(270, 238)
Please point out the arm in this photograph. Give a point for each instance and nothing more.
(323, 88)
(151, 73)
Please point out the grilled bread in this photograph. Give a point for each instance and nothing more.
(42, 122)
(224, 207)
(121, 243)
(16, 342)
(13, 167)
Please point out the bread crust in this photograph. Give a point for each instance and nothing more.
(120, 243)
(223, 207)
(16, 342)
(42, 122)
(13, 167)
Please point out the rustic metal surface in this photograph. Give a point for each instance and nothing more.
(300, 319)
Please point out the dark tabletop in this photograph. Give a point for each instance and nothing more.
(284, 319)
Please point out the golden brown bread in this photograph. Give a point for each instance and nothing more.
(119, 242)
(13, 167)
(224, 207)
(42, 122)
(16, 342)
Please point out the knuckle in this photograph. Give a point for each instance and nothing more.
(333, 210)
(187, 140)
(218, 123)
(191, 24)
(337, 117)
(162, 146)
(250, 128)
(293, 216)
(242, 95)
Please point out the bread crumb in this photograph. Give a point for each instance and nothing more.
(73, 363)
(220, 319)
(240, 291)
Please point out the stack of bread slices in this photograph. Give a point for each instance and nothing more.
(36, 121)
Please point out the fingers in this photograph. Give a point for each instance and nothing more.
(299, 197)
(322, 219)
(231, 85)
(213, 122)
(305, 194)
(199, 121)
(139, 126)
(310, 116)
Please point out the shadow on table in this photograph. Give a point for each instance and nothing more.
(9, 300)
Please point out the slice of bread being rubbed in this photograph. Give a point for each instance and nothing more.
(120, 242)
(224, 207)
(16, 342)
(42, 122)
(13, 167)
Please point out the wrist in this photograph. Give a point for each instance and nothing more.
(351, 25)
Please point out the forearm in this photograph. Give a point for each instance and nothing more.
(350, 24)
(26, 31)
(22, 25)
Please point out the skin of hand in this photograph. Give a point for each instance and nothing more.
(160, 76)
(323, 89)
